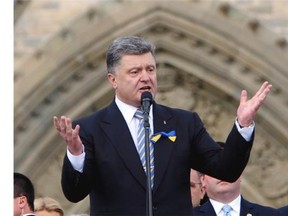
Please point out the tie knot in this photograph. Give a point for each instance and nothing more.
(226, 209)
(139, 114)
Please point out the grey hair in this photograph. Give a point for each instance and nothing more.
(128, 45)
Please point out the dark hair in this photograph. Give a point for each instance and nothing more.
(129, 45)
(24, 187)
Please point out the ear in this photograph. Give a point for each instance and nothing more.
(202, 190)
(202, 179)
(112, 80)
(22, 201)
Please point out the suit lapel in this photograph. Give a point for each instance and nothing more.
(207, 209)
(163, 121)
(246, 208)
(117, 131)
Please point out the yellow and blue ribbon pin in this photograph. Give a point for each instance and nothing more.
(170, 135)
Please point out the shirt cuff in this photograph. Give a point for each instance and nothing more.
(246, 132)
(77, 161)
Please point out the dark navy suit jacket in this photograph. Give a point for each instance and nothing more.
(246, 208)
(284, 210)
(114, 177)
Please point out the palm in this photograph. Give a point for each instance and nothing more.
(248, 108)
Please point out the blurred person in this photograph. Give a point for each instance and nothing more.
(102, 158)
(225, 199)
(23, 195)
(47, 206)
(197, 191)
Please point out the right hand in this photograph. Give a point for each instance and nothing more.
(248, 107)
(68, 134)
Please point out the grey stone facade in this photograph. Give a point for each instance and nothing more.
(208, 52)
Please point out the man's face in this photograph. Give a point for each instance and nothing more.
(17, 210)
(197, 191)
(20, 205)
(135, 75)
(216, 188)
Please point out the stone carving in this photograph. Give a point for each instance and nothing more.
(206, 48)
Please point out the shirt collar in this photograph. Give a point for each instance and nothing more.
(235, 204)
(128, 111)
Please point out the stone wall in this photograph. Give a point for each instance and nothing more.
(205, 73)
(42, 19)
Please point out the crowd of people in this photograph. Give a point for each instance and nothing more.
(25, 203)
(224, 198)
(107, 158)
(208, 198)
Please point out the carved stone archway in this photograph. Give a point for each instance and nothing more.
(207, 53)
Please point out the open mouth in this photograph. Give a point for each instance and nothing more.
(145, 88)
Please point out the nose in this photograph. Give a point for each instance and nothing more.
(145, 76)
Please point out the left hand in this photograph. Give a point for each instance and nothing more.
(248, 108)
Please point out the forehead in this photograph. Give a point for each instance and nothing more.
(194, 175)
(209, 178)
(137, 60)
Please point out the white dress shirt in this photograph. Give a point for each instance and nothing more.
(235, 205)
(128, 112)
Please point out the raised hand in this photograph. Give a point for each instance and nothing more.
(68, 134)
(248, 108)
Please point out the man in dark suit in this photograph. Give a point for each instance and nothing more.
(102, 158)
(223, 193)
(198, 194)
(246, 209)
(23, 195)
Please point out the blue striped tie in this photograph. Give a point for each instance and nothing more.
(141, 144)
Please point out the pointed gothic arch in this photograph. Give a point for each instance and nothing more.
(206, 54)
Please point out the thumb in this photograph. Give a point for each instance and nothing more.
(243, 97)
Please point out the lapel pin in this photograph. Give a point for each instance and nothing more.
(170, 135)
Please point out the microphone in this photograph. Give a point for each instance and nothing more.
(146, 101)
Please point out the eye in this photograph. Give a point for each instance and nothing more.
(151, 69)
(133, 72)
(193, 184)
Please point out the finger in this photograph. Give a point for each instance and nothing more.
(63, 124)
(265, 92)
(75, 133)
(262, 89)
(72, 137)
(243, 97)
(56, 123)
(69, 126)
(268, 89)
(77, 129)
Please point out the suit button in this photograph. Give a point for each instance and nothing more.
(154, 208)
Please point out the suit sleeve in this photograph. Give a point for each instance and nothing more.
(226, 164)
(77, 185)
